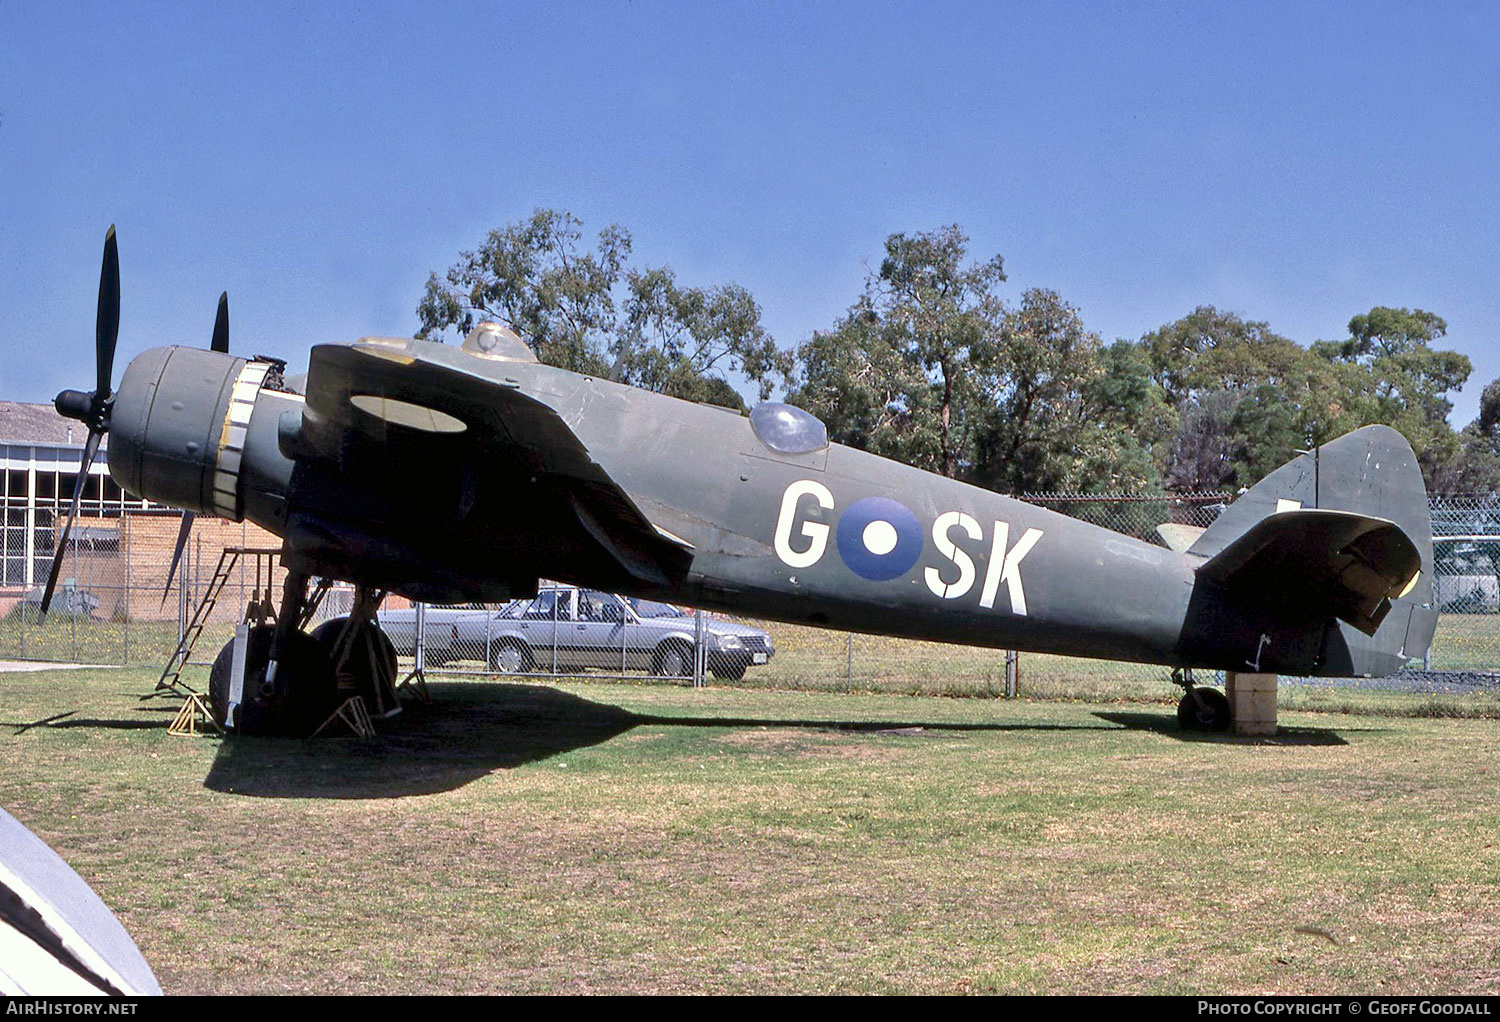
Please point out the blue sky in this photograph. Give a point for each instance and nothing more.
(1295, 163)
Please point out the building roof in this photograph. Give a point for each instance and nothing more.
(23, 423)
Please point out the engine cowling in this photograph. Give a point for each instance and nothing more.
(179, 427)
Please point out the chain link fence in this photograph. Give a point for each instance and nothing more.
(1466, 589)
(114, 607)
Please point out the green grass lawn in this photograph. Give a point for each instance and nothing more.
(634, 838)
(816, 660)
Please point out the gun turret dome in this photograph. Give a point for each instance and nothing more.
(492, 340)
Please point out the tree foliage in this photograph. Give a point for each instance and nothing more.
(590, 311)
(1475, 468)
(1392, 374)
(931, 366)
(1237, 399)
(909, 371)
(678, 340)
(1060, 421)
(1242, 398)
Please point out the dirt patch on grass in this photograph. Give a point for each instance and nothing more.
(816, 744)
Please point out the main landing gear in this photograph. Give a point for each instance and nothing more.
(1201, 708)
(294, 680)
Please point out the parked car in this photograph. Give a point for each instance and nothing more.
(1466, 574)
(567, 628)
(400, 626)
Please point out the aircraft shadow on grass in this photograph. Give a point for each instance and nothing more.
(1164, 724)
(65, 720)
(471, 730)
(474, 729)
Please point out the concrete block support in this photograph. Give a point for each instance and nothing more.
(1252, 698)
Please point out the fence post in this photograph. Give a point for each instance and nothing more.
(1012, 673)
(698, 648)
(849, 662)
(75, 601)
(419, 641)
(126, 525)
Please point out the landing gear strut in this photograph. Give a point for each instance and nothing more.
(1200, 709)
(293, 701)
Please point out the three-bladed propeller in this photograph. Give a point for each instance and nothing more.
(220, 343)
(91, 409)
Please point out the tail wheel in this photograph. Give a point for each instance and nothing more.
(674, 659)
(1212, 715)
(511, 657)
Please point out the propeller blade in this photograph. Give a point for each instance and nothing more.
(221, 326)
(107, 326)
(89, 451)
(182, 538)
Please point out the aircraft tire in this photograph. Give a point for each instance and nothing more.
(355, 678)
(310, 698)
(1215, 715)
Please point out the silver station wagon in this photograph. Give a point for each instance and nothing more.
(565, 628)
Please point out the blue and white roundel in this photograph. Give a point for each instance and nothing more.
(879, 539)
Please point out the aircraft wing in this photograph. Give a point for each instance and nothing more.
(1346, 564)
(374, 395)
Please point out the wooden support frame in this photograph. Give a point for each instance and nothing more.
(353, 715)
(1252, 700)
(193, 713)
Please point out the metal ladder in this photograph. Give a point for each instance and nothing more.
(258, 611)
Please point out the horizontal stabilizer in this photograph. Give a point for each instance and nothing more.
(1337, 563)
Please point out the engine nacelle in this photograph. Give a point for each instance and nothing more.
(180, 425)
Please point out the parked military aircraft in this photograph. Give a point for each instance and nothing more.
(448, 474)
